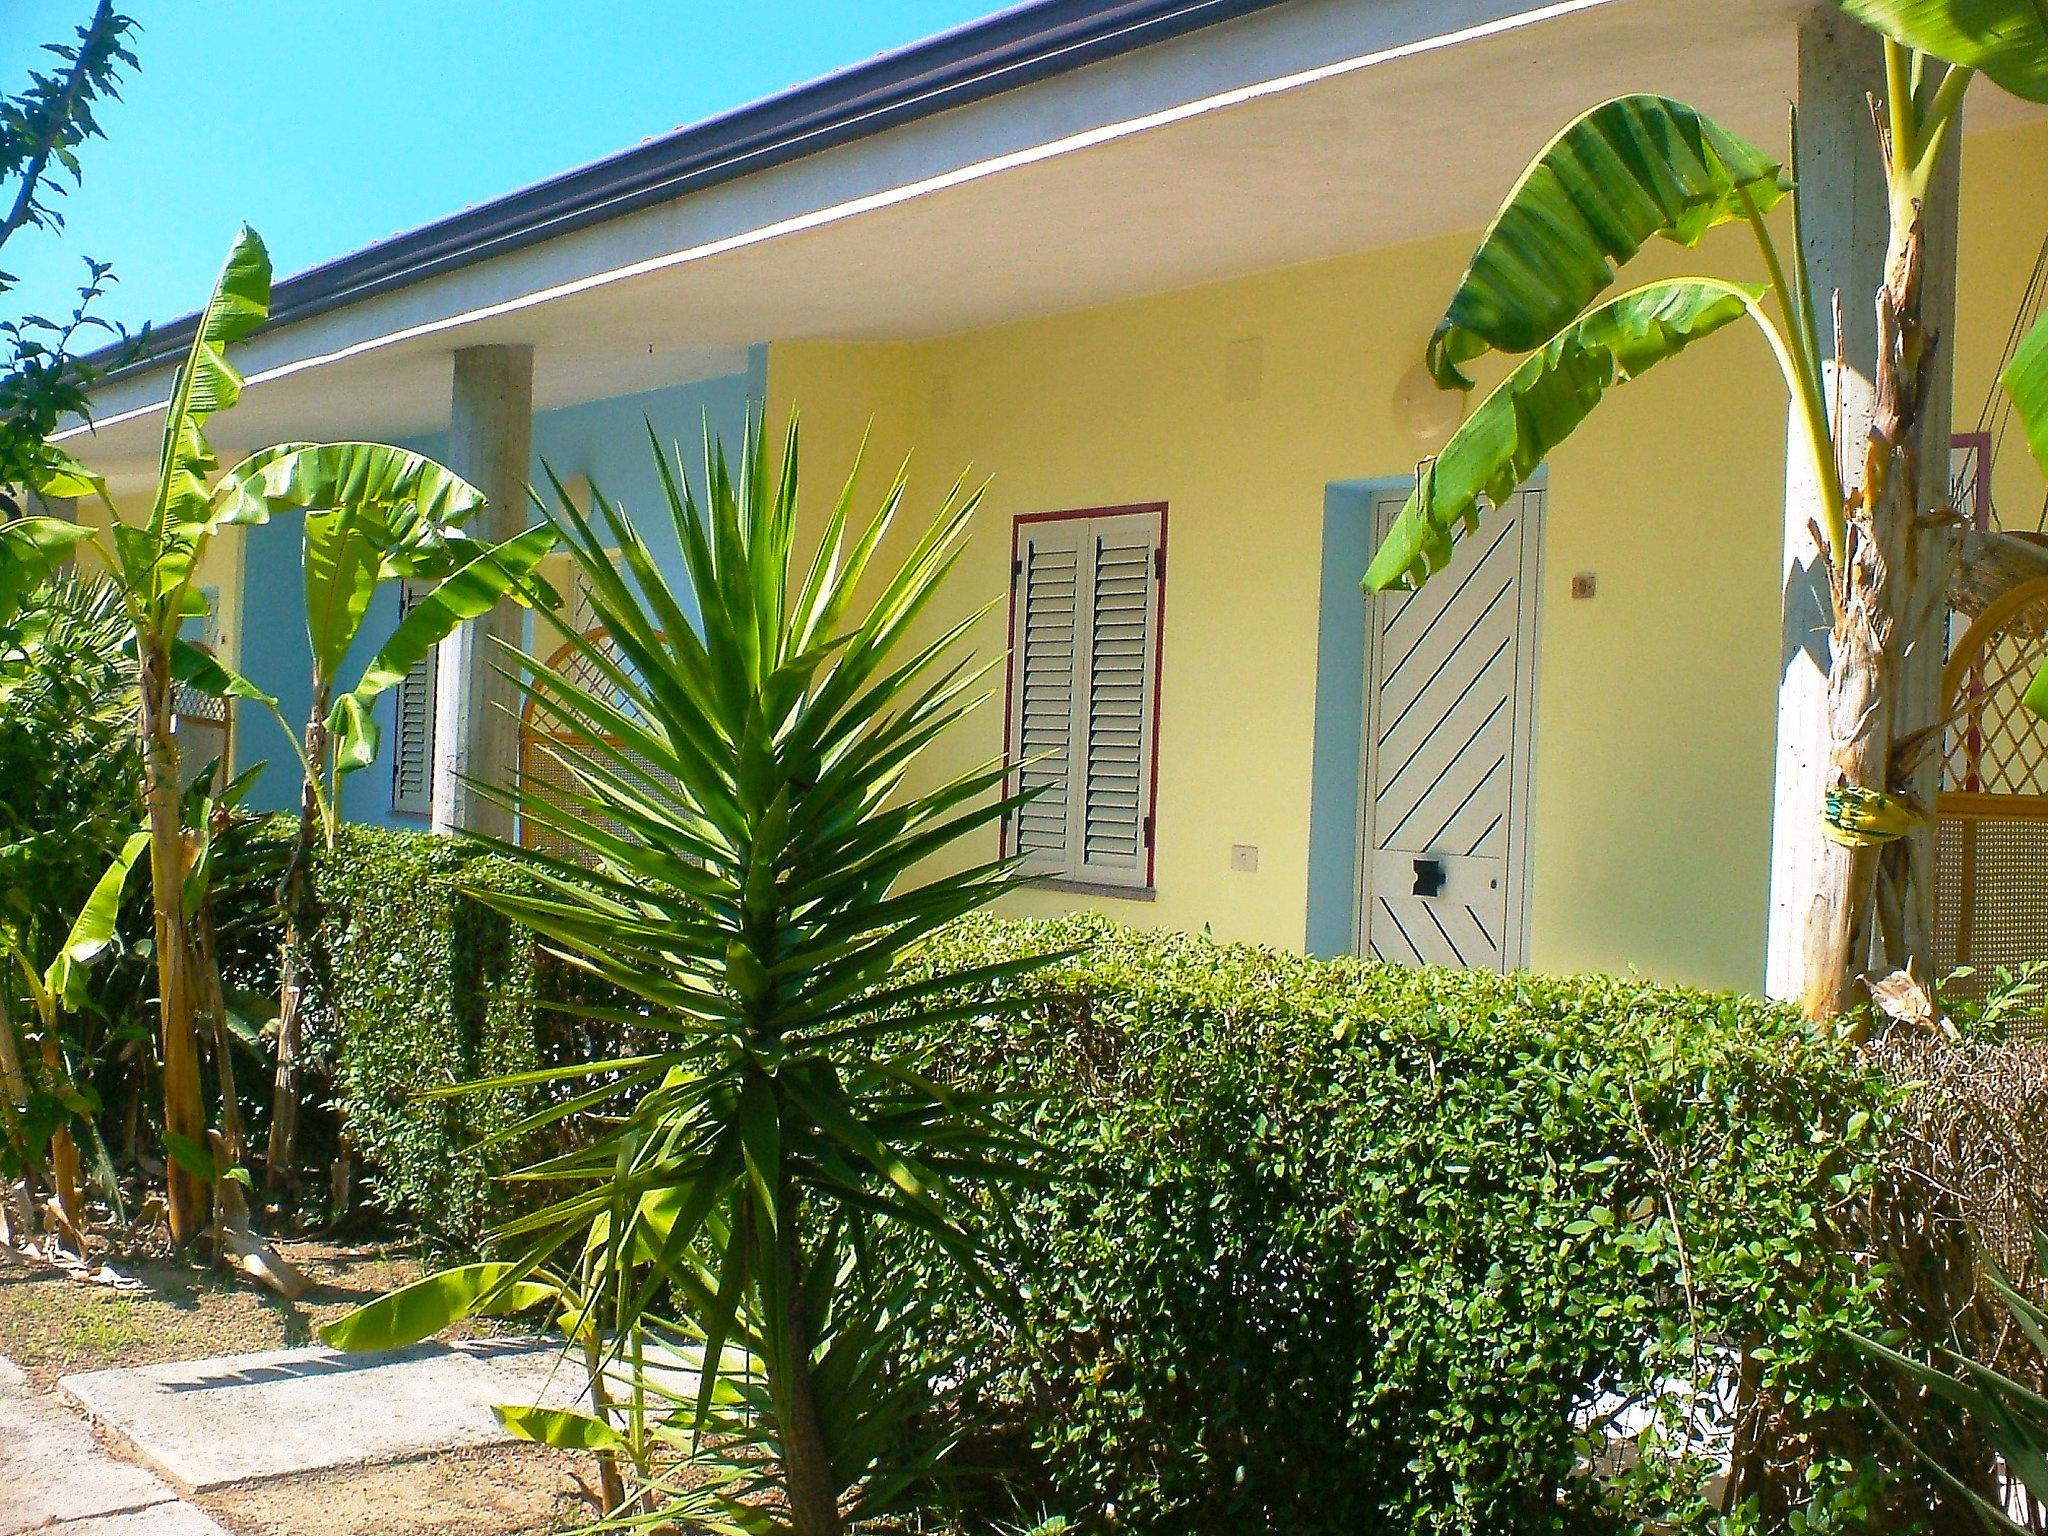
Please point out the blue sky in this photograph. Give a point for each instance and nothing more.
(330, 124)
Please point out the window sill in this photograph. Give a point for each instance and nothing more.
(1095, 888)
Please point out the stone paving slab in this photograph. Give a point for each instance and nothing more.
(206, 1424)
(55, 1477)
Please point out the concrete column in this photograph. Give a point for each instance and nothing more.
(1841, 176)
(1844, 205)
(490, 444)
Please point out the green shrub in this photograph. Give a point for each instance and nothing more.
(1342, 1248)
(417, 986)
(1327, 1247)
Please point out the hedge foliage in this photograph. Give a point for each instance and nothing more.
(419, 987)
(1343, 1247)
(1324, 1247)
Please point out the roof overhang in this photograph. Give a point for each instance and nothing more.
(1238, 136)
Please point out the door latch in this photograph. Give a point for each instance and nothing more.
(1429, 877)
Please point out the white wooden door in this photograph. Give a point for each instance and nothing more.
(1450, 690)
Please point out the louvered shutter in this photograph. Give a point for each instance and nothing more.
(1047, 610)
(1085, 643)
(412, 735)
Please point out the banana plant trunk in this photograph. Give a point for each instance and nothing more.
(65, 1170)
(212, 998)
(296, 899)
(187, 1194)
(1873, 904)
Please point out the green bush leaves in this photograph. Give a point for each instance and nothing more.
(1338, 1247)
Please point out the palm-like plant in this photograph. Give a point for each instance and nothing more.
(153, 560)
(751, 871)
(2011, 1414)
(1642, 168)
(373, 515)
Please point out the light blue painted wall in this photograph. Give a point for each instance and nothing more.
(605, 440)
(1333, 809)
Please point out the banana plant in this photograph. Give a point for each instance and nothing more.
(153, 559)
(752, 867)
(1646, 167)
(372, 515)
(45, 1112)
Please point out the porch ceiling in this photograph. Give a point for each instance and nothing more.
(1313, 130)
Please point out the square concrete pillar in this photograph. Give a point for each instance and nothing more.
(490, 444)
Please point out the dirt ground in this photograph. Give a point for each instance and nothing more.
(521, 1490)
(52, 1326)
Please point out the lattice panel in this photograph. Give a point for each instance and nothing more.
(1996, 746)
(1991, 905)
(543, 766)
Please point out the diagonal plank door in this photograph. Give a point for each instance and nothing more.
(1450, 684)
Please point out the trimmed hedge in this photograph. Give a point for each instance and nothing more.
(418, 987)
(1325, 1247)
(1346, 1247)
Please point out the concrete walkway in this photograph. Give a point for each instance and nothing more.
(55, 1478)
(207, 1424)
(199, 1425)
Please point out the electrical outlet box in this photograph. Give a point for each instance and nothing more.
(1583, 586)
(1244, 857)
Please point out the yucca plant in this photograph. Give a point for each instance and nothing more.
(2011, 1414)
(752, 865)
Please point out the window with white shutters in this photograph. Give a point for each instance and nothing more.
(1084, 672)
(412, 733)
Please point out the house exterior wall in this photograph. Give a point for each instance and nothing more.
(603, 440)
(1655, 699)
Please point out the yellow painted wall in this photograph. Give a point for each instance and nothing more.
(1656, 705)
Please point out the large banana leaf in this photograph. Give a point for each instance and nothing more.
(1538, 406)
(412, 495)
(58, 475)
(485, 579)
(2026, 384)
(422, 1309)
(30, 549)
(1630, 170)
(157, 560)
(2005, 39)
(93, 929)
(372, 513)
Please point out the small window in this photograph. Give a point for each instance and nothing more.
(412, 736)
(1084, 679)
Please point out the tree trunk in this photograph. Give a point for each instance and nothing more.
(187, 1194)
(812, 1490)
(64, 1165)
(212, 999)
(13, 1078)
(1868, 901)
(296, 898)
